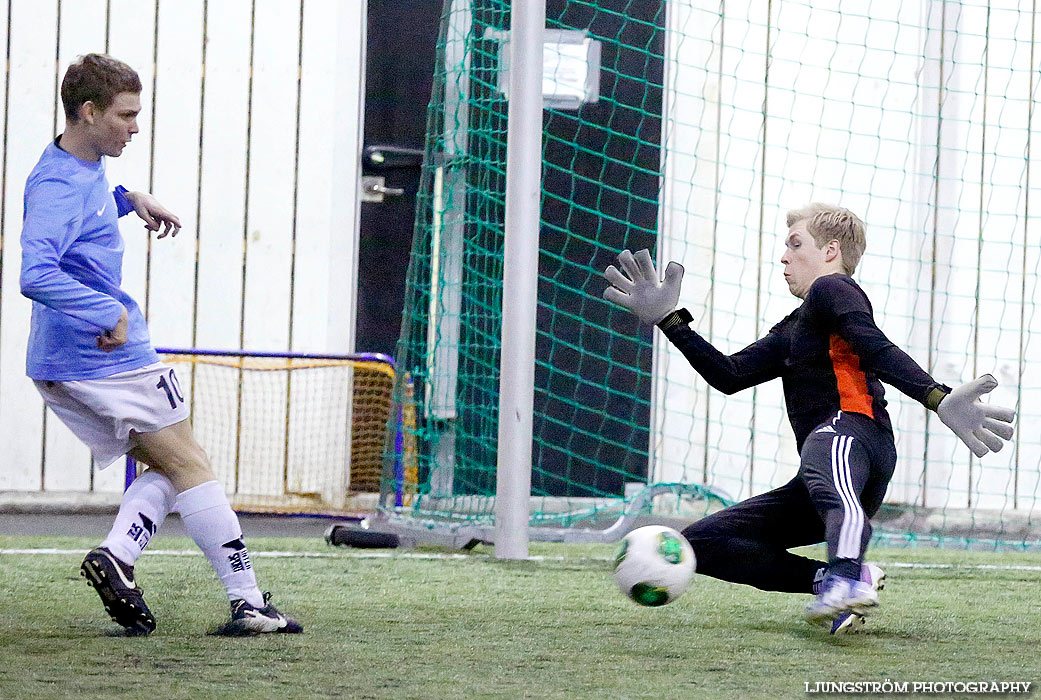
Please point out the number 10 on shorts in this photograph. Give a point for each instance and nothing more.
(168, 383)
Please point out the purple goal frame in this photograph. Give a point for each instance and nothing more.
(399, 442)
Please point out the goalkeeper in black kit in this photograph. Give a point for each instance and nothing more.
(831, 359)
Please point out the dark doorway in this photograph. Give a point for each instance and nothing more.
(399, 67)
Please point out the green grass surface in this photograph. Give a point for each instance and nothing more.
(475, 627)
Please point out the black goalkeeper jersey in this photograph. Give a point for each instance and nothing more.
(829, 354)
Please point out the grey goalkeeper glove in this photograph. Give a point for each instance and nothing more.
(980, 426)
(638, 289)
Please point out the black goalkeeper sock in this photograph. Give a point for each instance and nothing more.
(847, 568)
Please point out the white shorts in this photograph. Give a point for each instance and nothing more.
(103, 412)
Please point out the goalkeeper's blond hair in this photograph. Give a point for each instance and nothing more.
(830, 223)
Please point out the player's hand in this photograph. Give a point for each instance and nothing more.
(112, 339)
(980, 426)
(638, 288)
(154, 214)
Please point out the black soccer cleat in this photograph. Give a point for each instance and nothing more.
(247, 620)
(114, 582)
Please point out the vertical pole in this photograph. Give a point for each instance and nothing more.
(447, 236)
(520, 278)
(399, 457)
(131, 472)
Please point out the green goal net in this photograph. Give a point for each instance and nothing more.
(690, 128)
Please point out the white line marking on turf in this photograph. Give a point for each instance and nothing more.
(982, 567)
(169, 552)
(368, 554)
(275, 555)
(347, 554)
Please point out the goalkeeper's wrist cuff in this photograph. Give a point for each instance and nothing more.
(675, 318)
(935, 396)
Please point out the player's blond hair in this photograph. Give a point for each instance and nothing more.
(830, 223)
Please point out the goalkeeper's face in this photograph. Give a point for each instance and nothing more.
(804, 262)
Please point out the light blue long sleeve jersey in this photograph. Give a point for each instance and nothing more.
(72, 266)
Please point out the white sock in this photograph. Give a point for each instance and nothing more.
(144, 507)
(210, 521)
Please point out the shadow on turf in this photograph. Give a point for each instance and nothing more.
(796, 627)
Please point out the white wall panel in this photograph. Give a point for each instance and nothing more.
(175, 171)
(269, 210)
(317, 178)
(235, 272)
(30, 117)
(222, 201)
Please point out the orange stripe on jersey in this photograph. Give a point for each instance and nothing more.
(852, 384)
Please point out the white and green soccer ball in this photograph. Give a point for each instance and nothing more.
(654, 565)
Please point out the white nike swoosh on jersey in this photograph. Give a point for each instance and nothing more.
(102, 209)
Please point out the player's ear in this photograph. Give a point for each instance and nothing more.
(833, 250)
(87, 112)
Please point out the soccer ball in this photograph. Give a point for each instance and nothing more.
(654, 565)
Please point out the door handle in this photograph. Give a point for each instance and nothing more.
(383, 189)
(374, 189)
(385, 157)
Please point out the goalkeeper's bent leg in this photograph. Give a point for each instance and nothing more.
(846, 468)
(748, 542)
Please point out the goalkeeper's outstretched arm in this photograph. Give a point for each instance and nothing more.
(637, 287)
(760, 362)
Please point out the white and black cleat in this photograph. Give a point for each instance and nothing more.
(840, 595)
(850, 622)
(248, 620)
(114, 582)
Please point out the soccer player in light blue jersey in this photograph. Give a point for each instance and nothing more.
(91, 358)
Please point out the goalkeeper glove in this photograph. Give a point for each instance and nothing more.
(638, 288)
(980, 426)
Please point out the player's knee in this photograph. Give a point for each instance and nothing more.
(191, 462)
(694, 532)
(708, 544)
(711, 529)
(824, 496)
(200, 464)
